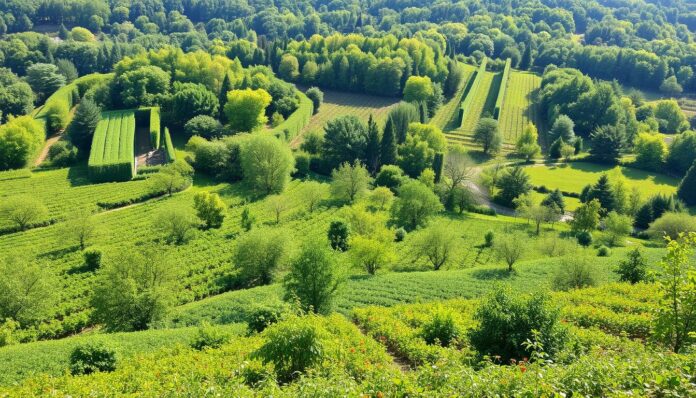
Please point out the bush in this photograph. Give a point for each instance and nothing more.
(203, 126)
(302, 163)
(507, 320)
(208, 337)
(440, 329)
(603, 251)
(584, 238)
(671, 225)
(62, 154)
(633, 268)
(92, 357)
(576, 273)
(92, 258)
(262, 318)
(316, 96)
(488, 239)
(338, 235)
(390, 176)
(400, 235)
(292, 346)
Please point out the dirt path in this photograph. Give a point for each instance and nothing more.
(47, 146)
(398, 361)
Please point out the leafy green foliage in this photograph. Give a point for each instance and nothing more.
(313, 278)
(266, 164)
(90, 358)
(507, 321)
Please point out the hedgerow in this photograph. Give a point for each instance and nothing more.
(471, 92)
(112, 156)
(294, 124)
(168, 146)
(503, 87)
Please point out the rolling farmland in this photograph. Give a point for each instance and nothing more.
(518, 108)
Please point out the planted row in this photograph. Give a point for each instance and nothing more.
(471, 94)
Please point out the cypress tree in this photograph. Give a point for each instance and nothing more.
(388, 155)
(373, 149)
(526, 61)
(84, 122)
(687, 187)
(222, 97)
(63, 33)
(438, 166)
(644, 216)
(555, 148)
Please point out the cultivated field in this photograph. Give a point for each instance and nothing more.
(112, 156)
(518, 108)
(483, 101)
(447, 117)
(65, 191)
(338, 103)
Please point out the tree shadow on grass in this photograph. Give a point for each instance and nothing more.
(497, 274)
(59, 253)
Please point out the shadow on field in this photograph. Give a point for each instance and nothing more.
(492, 274)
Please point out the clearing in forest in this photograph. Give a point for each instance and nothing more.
(338, 103)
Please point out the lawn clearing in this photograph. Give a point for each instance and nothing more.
(576, 175)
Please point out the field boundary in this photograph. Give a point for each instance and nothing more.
(502, 89)
(469, 98)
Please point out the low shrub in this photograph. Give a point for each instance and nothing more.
(400, 235)
(292, 346)
(576, 273)
(603, 251)
(209, 337)
(584, 238)
(488, 239)
(92, 357)
(262, 318)
(440, 329)
(92, 258)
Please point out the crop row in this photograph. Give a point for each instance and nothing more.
(519, 109)
(400, 328)
(64, 191)
(470, 106)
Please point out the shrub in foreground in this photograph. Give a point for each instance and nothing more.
(92, 357)
(507, 321)
(292, 347)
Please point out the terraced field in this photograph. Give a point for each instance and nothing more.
(484, 101)
(337, 103)
(64, 191)
(518, 109)
(201, 264)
